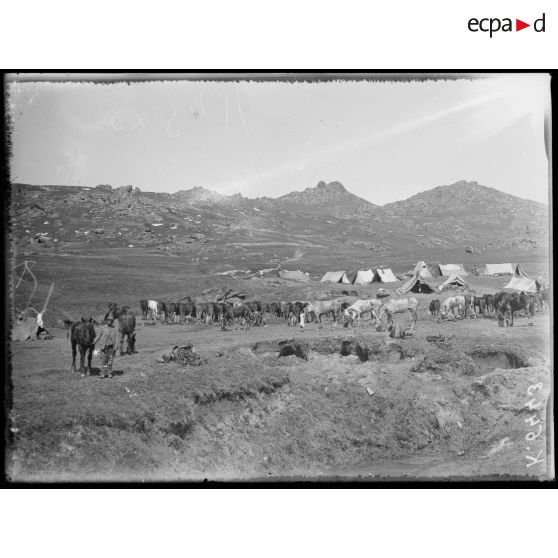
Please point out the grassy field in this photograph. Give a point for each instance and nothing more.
(438, 410)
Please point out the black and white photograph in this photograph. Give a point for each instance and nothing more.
(279, 277)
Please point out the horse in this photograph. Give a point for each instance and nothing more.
(126, 327)
(453, 302)
(152, 307)
(434, 307)
(480, 303)
(469, 304)
(82, 335)
(489, 302)
(361, 307)
(143, 309)
(511, 303)
(321, 308)
(398, 306)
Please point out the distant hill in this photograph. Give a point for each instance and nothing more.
(332, 199)
(319, 224)
(461, 197)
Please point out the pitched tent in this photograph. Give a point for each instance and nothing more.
(498, 269)
(519, 272)
(453, 282)
(294, 275)
(416, 284)
(335, 277)
(422, 269)
(364, 277)
(447, 270)
(385, 276)
(522, 284)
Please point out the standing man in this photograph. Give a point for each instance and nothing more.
(41, 325)
(107, 342)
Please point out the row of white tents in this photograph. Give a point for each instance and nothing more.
(417, 277)
(363, 277)
(386, 275)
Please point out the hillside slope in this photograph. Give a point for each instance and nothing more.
(312, 227)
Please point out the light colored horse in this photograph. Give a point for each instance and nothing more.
(152, 307)
(399, 306)
(361, 307)
(322, 308)
(451, 303)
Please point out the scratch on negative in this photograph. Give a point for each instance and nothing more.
(242, 115)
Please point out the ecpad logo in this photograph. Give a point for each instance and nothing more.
(493, 25)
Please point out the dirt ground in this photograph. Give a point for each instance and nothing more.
(473, 405)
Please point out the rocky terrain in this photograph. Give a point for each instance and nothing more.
(234, 231)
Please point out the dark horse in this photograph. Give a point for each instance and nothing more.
(511, 303)
(82, 335)
(126, 326)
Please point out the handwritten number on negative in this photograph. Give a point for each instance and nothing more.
(530, 436)
(531, 420)
(533, 404)
(534, 387)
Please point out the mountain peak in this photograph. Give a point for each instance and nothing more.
(334, 187)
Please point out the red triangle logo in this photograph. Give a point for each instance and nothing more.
(519, 25)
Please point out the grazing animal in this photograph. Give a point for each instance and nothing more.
(240, 313)
(153, 309)
(201, 310)
(187, 309)
(143, 309)
(298, 308)
(162, 310)
(321, 308)
(451, 304)
(361, 307)
(218, 309)
(434, 307)
(398, 306)
(480, 303)
(286, 309)
(174, 312)
(469, 299)
(82, 335)
(489, 303)
(512, 303)
(126, 327)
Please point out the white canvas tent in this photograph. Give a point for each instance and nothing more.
(335, 277)
(498, 269)
(385, 276)
(519, 272)
(364, 277)
(447, 270)
(453, 282)
(416, 284)
(522, 284)
(422, 269)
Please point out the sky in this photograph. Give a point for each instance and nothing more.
(383, 140)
